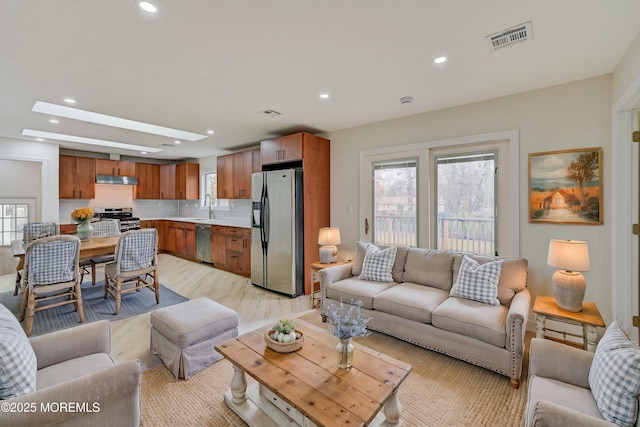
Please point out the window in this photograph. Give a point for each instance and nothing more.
(210, 187)
(13, 216)
(394, 198)
(465, 202)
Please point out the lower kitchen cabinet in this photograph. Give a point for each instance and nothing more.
(231, 249)
(180, 239)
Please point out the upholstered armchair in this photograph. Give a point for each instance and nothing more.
(71, 381)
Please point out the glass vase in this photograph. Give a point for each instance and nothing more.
(84, 230)
(345, 353)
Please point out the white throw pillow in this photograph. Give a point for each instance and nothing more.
(378, 264)
(614, 377)
(18, 364)
(478, 282)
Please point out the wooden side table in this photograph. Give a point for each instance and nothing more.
(315, 279)
(545, 307)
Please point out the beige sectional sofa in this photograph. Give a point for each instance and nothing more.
(416, 305)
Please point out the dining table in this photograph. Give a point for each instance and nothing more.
(88, 249)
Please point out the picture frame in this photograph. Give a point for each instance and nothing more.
(565, 187)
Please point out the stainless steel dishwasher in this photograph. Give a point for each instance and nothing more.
(203, 242)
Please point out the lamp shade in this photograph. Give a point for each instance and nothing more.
(570, 255)
(329, 236)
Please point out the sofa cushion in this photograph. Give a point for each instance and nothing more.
(378, 264)
(472, 318)
(354, 289)
(18, 363)
(72, 369)
(567, 395)
(410, 300)
(478, 282)
(513, 277)
(614, 377)
(429, 267)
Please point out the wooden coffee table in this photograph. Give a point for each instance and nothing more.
(306, 387)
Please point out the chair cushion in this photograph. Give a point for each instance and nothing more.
(18, 363)
(73, 368)
(614, 377)
(378, 264)
(564, 394)
(354, 289)
(478, 282)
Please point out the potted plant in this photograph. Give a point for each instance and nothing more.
(283, 337)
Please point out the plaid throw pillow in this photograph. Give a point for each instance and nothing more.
(478, 282)
(18, 364)
(614, 377)
(377, 264)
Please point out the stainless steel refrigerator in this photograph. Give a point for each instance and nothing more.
(277, 250)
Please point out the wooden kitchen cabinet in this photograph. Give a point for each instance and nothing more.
(148, 175)
(180, 239)
(168, 182)
(283, 149)
(77, 177)
(234, 174)
(159, 225)
(115, 167)
(188, 181)
(231, 249)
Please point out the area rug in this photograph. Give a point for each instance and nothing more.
(95, 307)
(440, 391)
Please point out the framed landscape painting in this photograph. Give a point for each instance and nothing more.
(566, 186)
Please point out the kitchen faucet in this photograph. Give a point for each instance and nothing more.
(205, 203)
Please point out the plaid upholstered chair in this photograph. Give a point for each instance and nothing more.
(51, 277)
(32, 231)
(103, 228)
(135, 266)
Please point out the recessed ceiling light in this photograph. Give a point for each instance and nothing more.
(70, 100)
(440, 59)
(176, 142)
(54, 121)
(211, 132)
(324, 95)
(40, 139)
(143, 152)
(147, 6)
(83, 140)
(103, 119)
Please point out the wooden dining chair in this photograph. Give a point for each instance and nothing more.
(103, 228)
(51, 277)
(135, 266)
(32, 231)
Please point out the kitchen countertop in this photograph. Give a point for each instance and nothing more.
(227, 222)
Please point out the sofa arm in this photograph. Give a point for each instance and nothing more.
(560, 362)
(548, 414)
(517, 319)
(109, 397)
(331, 275)
(71, 343)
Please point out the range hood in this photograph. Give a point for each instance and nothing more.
(116, 179)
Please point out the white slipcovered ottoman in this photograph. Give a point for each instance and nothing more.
(183, 335)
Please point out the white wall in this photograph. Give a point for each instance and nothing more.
(575, 115)
(47, 156)
(627, 71)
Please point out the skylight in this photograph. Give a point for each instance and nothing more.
(90, 141)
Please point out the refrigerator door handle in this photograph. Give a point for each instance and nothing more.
(266, 220)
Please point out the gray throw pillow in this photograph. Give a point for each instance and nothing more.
(378, 264)
(478, 282)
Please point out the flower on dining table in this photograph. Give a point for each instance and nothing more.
(82, 214)
(348, 323)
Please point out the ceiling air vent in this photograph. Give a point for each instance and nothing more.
(510, 36)
(270, 113)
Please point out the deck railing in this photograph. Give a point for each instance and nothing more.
(457, 234)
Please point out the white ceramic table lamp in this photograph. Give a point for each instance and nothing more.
(570, 257)
(328, 238)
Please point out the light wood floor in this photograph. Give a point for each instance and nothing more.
(255, 306)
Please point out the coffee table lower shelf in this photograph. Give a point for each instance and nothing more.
(259, 411)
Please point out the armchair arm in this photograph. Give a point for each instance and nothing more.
(109, 397)
(548, 414)
(71, 343)
(331, 275)
(560, 362)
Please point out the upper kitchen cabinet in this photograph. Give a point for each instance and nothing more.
(148, 176)
(283, 149)
(115, 167)
(77, 177)
(168, 182)
(234, 174)
(188, 181)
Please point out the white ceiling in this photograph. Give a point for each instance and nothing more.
(199, 64)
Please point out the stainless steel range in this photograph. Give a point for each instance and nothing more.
(124, 215)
